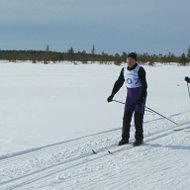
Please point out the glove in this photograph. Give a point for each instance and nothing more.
(187, 79)
(140, 101)
(110, 99)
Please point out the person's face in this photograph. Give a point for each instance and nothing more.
(131, 62)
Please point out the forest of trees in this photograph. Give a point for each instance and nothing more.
(48, 56)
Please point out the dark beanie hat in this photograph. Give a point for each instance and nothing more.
(133, 55)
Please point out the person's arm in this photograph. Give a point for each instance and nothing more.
(142, 77)
(118, 84)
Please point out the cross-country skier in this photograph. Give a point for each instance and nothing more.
(134, 77)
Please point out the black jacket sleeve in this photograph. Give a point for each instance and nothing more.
(142, 77)
(119, 83)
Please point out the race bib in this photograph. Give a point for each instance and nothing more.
(132, 78)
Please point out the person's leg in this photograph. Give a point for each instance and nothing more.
(129, 109)
(126, 125)
(139, 115)
(139, 127)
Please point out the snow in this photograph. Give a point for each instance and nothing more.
(52, 116)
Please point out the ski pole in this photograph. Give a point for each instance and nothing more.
(118, 102)
(188, 89)
(162, 115)
(153, 111)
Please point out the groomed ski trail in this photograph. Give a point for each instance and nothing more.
(39, 167)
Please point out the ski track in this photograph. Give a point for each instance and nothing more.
(72, 162)
(8, 156)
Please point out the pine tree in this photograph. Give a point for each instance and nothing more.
(183, 60)
(93, 51)
(71, 54)
(188, 54)
(70, 51)
(46, 55)
(47, 48)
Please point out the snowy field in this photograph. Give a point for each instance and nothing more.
(52, 116)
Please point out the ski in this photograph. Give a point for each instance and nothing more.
(116, 149)
(109, 152)
(94, 152)
(186, 130)
(120, 148)
(182, 129)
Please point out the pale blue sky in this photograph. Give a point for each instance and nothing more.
(154, 26)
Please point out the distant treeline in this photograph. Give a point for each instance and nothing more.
(84, 57)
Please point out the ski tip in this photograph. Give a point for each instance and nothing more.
(94, 152)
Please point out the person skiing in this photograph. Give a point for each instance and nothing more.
(134, 77)
(187, 79)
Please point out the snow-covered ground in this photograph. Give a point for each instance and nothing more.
(52, 116)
